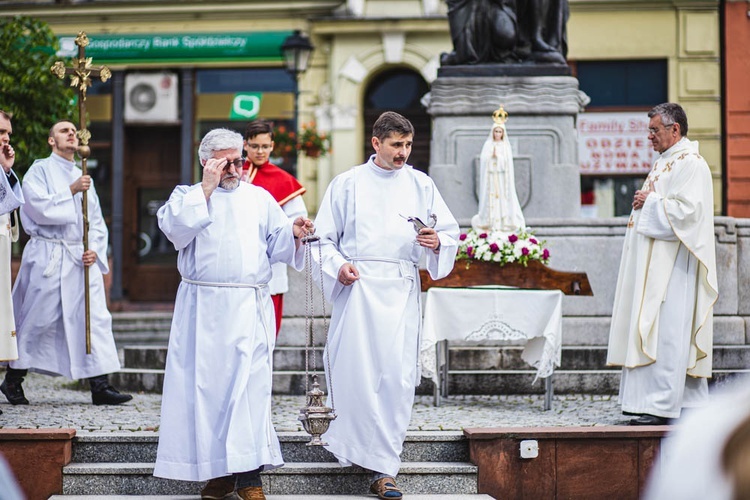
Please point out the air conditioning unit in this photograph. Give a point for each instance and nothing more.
(151, 98)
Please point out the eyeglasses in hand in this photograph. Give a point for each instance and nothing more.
(236, 162)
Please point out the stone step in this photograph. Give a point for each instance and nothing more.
(292, 479)
(154, 357)
(496, 357)
(141, 448)
(477, 496)
(461, 381)
(153, 328)
(141, 327)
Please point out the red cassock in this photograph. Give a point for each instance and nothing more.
(283, 187)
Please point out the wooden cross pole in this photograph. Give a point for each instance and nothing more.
(80, 77)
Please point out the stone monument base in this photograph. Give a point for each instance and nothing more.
(541, 129)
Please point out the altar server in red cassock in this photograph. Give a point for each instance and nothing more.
(285, 189)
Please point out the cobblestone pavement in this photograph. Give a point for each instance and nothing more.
(60, 403)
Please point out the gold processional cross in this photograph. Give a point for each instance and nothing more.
(80, 77)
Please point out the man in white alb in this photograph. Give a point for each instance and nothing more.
(48, 296)
(11, 198)
(370, 254)
(216, 406)
(662, 320)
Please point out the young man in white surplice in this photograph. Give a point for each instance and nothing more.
(370, 254)
(48, 296)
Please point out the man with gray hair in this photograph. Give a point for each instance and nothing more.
(216, 405)
(662, 320)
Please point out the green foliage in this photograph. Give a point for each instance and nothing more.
(28, 90)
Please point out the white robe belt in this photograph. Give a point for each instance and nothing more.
(257, 287)
(407, 267)
(56, 256)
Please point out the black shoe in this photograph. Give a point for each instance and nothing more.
(109, 396)
(647, 419)
(14, 393)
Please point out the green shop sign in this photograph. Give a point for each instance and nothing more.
(261, 46)
(245, 106)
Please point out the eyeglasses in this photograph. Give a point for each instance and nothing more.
(263, 147)
(655, 130)
(237, 163)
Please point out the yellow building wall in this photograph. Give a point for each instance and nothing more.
(351, 51)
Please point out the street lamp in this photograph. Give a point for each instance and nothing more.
(296, 49)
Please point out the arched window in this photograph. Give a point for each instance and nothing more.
(400, 90)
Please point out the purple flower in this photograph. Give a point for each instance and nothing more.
(533, 240)
(494, 248)
(512, 238)
(462, 237)
(470, 251)
(524, 251)
(545, 254)
(483, 235)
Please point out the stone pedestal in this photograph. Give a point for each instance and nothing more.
(541, 128)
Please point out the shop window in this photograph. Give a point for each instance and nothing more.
(623, 83)
(623, 91)
(220, 81)
(231, 98)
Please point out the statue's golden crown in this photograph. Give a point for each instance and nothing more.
(500, 116)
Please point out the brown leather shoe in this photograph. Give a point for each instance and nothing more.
(385, 488)
(251, 493)
(218, 488)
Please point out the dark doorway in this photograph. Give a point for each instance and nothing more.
(400, 90)
(152, 170)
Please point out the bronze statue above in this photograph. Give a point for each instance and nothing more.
(507, 32)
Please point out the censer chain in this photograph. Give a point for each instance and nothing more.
(309, 323)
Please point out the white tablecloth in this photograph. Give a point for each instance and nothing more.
(481, 314)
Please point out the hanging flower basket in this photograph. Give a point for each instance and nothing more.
(312, 152)
(284, 142)
(311, 142)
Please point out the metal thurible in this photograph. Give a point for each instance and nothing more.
(316, 417)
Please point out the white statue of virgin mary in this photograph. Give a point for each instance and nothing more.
(499, 209)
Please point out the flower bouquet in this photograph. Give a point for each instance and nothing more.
(502, 248)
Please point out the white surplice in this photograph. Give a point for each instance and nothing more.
(662, 320)
(48, 296)
(373, 340)
(216, 406)
(10, 199)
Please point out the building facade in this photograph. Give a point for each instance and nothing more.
(208, 64)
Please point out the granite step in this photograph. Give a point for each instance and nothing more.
(484, 357)
(475, 382)
(299, 478)
(154, 357)
(449, 446)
